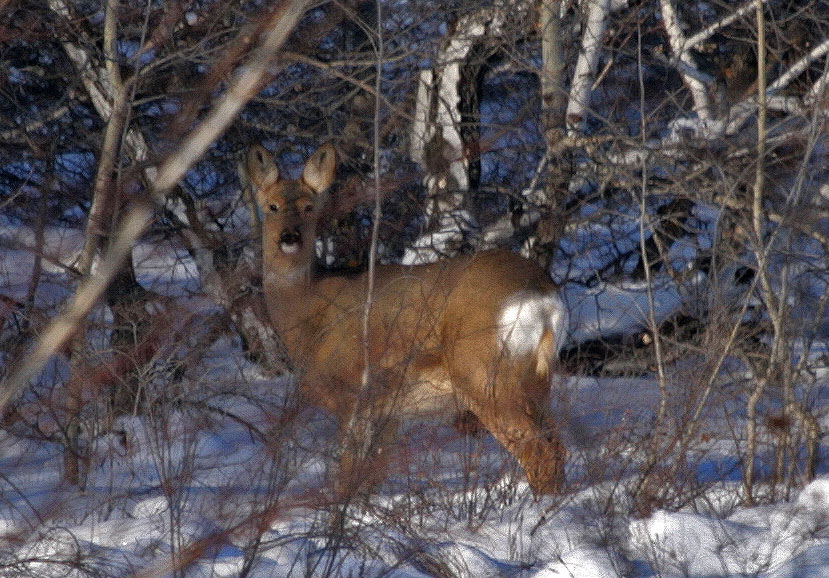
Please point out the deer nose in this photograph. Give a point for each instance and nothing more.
(290, 241)
(290, 237)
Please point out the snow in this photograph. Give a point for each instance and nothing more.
(759, 541)
(221, 483)
(607, 310)
(220, 479)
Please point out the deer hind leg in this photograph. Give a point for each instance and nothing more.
(539, 450)
(514, 408)
(534, 441)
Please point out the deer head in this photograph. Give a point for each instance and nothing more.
(290, 207)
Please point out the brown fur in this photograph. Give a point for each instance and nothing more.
(433, 332)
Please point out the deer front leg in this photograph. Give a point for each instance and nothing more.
(366, 434)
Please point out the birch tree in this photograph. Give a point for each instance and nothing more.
(673, 148)
(110, 96)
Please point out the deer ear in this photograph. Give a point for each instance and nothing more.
(319, 170)
(262, 170)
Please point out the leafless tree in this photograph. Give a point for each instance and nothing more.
(672, 146)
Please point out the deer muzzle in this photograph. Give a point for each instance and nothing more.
(290, 241)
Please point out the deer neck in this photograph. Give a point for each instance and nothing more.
(288, 289)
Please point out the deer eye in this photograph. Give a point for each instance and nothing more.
(308, 208)
(273, 207)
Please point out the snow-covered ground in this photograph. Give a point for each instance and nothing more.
(221, 483)
(211, 478)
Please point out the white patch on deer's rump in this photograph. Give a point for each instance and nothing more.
(526, 316)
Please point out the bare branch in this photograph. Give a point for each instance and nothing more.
(280, 23)
(681, 48)
(724, 22)
(745, 110)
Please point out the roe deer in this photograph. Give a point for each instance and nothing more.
(475, 333)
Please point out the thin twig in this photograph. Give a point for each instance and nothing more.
(281, 22)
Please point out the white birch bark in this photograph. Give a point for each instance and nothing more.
(436, 142)
(597, 12)
(746, 109)
(681, 50)
(713, 28)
